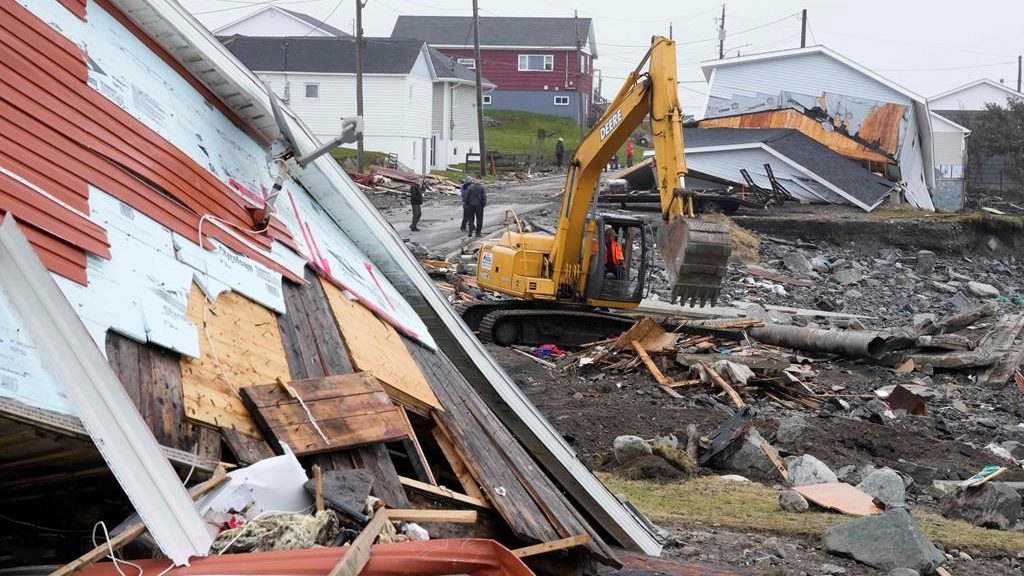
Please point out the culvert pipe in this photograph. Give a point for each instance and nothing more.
(854, 343)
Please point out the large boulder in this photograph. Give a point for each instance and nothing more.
(747, 459)
(884, 541)
(991, 505)
(809, 470)
(790, 430)
(793, 501)
(982, 290)
(629, 448)
(796, 262)
(886, 486)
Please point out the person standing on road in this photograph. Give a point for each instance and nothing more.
(466, 214)
(476, 199)
(416, 200)
(629, 152)
(559, 152)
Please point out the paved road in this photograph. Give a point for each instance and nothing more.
(439, 226)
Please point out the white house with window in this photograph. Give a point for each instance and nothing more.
(417, 103)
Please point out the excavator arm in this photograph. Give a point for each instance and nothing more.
(695, 253)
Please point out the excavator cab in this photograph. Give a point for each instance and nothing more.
(619, 261)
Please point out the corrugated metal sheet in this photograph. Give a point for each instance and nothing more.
(76, 135)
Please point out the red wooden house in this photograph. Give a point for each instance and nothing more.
(538, 64)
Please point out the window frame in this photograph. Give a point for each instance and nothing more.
(546, 59)
(316, 89)
(467, 62)
(487, 99)
(563, 97)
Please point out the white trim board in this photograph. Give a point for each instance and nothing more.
(108, 413)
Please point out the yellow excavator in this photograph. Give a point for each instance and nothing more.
(594, 260)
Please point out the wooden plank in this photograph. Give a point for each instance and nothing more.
(417, 450)
(443, 493)
(717, 379)
(357, 554)
(247, 449)
(318, 478)
(370, 418)
(841, 497)
(132, 532)
(458, 465)
(240, 345)
(1010, 351)
(772, 455)
(387, 485)
(447, 516)
(376, 347)
(663, 382)
(545, 547)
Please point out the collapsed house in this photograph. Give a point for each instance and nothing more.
(200, 246)
(848, 108)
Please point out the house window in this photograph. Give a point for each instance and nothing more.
(561, 100)
(312, 90)
(487, 99)
(536, 62)
(468, 63)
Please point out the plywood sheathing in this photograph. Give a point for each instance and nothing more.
(314, 348)
(240, 345)
(528, 501)
(152, 377)
(350, 410)
(376, 347)
(879, 126)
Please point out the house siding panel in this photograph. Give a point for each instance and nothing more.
(537, 101)
(973, 98)
(113, 150)
(438, 118)
(501, 67)
(805, 74)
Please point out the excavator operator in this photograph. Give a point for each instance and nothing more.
(613, 254)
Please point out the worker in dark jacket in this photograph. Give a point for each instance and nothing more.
(476, 199)
(466, 213)
(559, 152)
(416, 200)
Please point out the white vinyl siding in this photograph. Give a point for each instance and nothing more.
(536, 62)
(464, 113)
(271, 23)
(912, 168)
(973, 98)
(437, 113)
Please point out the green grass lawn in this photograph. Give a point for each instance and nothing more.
(745, 507)
(518, 134)
(370, 157)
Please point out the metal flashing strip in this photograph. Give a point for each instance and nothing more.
(115, 425)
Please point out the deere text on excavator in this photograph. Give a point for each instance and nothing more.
(600, 260)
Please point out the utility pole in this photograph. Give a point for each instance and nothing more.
(581, 114)
(479, 90)
(1019, 66)
(669, 29)
(359, 78)
(803, 28)
(721, 35)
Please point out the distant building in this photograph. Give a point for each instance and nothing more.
(277, 21)
(418, 103)
(532, 61)
(836, 101)
(972, 97)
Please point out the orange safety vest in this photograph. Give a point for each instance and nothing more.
(614, 255)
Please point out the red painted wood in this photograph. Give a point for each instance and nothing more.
(502, 68)
(61, 135)
(77, 7)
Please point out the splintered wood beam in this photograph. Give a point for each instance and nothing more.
(458, 465)
(663, 380)
(357, 555)
(132, 532)
(442, 493)
(423, 463)
(545, 547)
(724, 385)
(448, 516)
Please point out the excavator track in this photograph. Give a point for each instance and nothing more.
(532, 323)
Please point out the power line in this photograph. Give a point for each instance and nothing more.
(324, 19)
(244, 4)
(971, 67)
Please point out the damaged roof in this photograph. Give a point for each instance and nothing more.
(865, 188)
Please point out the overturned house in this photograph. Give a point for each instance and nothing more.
(844, 106)
(217, 265)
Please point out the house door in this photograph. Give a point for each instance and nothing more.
(433, 150)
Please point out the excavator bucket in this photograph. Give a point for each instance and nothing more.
(696, 254)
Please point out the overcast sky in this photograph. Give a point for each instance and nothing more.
(926, 47)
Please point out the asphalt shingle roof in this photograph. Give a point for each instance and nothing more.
(494, 30)
(324, 54)
(447, 67)
(840, 171)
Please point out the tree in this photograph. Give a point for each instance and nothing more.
(997, 134)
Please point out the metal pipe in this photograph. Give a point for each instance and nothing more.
(857, 343)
